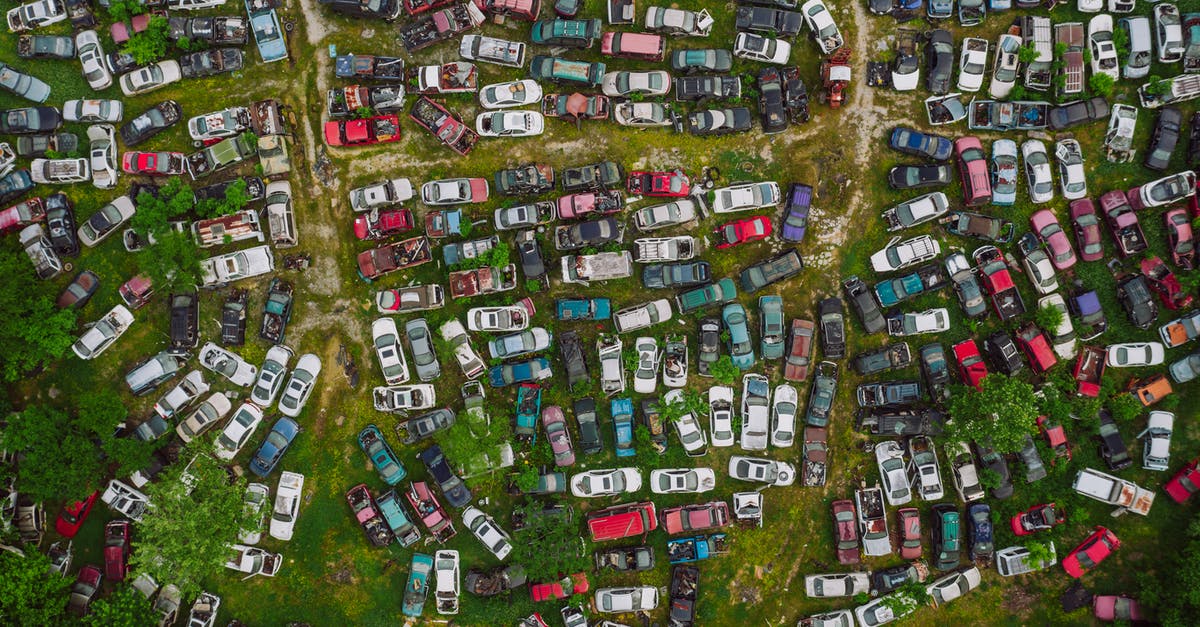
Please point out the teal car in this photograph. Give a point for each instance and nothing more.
(622, 412)
(741, 349)
(370, 439)
(771, 331)
(583, 308)
(417, 589)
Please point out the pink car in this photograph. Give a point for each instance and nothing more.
(1110, 607)
(1181, 238)
(1046, 225)
(559, 436)
(1086, 225)
(973, 169)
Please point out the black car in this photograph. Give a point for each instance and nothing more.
(590, 233)
(995, 462)
(1112, 445)
(776, 22)
(892, 421)
(709, 350)
(939, 61)
(1134, 294)
(936, 371)
(1194, 140)
(771, 111)
(14, 185)
(570, 348)
(592, 177)
(529, 250)
(1078, 112)
(531, 179)
(719, 121)
(233, 318)
(701, 60)
(686, 274)
(253, 189)
(624, 559)
(386, 10)
(39, 145)
(590, 441)
(150, 122)
(210, 62)
(945, 535)
(865, 306)
(427, 424)
(1165, 137)
(456, 492)
(29, 120)
(889, 579)
(185, 321)
(707, 87)
(1002, 352)
(120, 63)
(916, 176)
(980, 538)
(832, 320)
(60, 225)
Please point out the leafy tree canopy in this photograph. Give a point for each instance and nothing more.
(33, 330)
(60, 461)
(550, 547)
(125, 607)
(151, 44)
(174, 259)
(29, 594)
(1002, 413)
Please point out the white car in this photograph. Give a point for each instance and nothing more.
(503, 319)
(924, 468)
(454, 191)
(510, 123)
(783, 415)
(759, 48)
(1063, 338)
(897, 255)
(381, 194)
(1004, 73)
(641, 114)
(386, 339)
(93, 110)
(484, 527)
(682, 480)
(456, 335)
(404, 397)
(1135, 354)
(271, 375)
(300, 385)
(238, 430)
(745, 196)
(606, 482)
(91, 56)
(1090, 6)
(916, 211)
(255, 503)
(1071, 177)
(512, 94)
(446, 586)
(287, 505)
(1104, 49)
(235, 266)
(645, 375)
(756, 411)
(691, 435)
(1040, 271)
(1037, 171)
(964, 472)
(622, 84)
(206, 414)
(720, 415)
(655, 217)
(626, 600)
(759, 470)
(190, 388)
(125, 500)
(106, 220)
(675, 362)
(972, 64)
(952, 586)
(1168, 33)
(102, 153)
(1157, 452)
(103, 333)
(151, 77)
(889, 456)
(919, 322)
(821, 23)
(837, 585)
(227, 364)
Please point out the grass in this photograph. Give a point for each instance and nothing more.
(330, 568)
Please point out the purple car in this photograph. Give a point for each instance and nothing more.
(559, 436)
(795, 218)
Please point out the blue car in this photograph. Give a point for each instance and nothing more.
(913, 142)
(528, 371)
(273, 448)
(583, 308)
(979, 531)
(391, 507)
(417, 589)
(1000, 5)
(741, 349)
(456, 492)
(264, 21)
(940, 9)
(381, 455)
(622, 412)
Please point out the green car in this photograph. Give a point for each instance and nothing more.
(771, 330)
(947, 536)
(718, 293)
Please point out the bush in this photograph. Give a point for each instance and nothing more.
(1102, 84)
(151, 44)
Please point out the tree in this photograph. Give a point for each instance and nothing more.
(549, 546)
(122, 10)
(1175, 592)
(723, 371)
(1039, 553)
(33, 330)
(60, 461)
(125, 607)
(99, 412)
(129, 454)
(174, 259)
(235, 200)
(1027, 54)
(29, 593)
(1055, 405)
(151, 44)
(1002, 413)
(184, 538)
(1124, 407)
(1102, 84)
(156, 211)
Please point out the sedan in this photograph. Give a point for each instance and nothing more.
(1004, 74)
(820, 22)
(642, 114)
(939, 61)
(953, 586)
(607, 482)
(1135, 354)
(1086, 225)
(682, 480)
(913, 142)
(512, 345)
(799, 354)
(889, 456)
(87, 584)
(484, 528)
(273, 448)
(660, 216)
(783, 415)
(106, 221)
(454, 191)
(759, 470)
(697, 60)
(227, 364)
(917, 176)
(1167, 190)
(742, 231)
(1103, 47)
(270, 376)
(386, 339)
(513, 94)
(836, 585)
(1045, 224)
(745, 196)
(287, 505)
(625, 600)
(972, 64)
(456, 492)
(1167, 130)
(1181, 238)
(558, 435)
(300, 385)
(1071, 177)
(845, 532)
(420, 342)
(654, 83)
(720, 121)
(151, 77)
(909, 520)
(720, 412)
(91, 56)
(741, 349)
(154, 163)
(1037, 171)
(510, 124)
(898, 255)
(764, 49)
(1093, 550)
(1004, 172)
(1168, 33)
(151, 122)
(92, 111)
(235, 435)
(206, 414)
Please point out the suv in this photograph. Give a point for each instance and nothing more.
(946, 535)
(833, 328)
(864, 305)
(589, 429)
(185, 321)
(785, 266)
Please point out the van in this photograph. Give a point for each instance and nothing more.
(642, 46)
(152, 372)
(1035, 31)
(234, 227)
(1013, 560)
(1137, 33)
(622, 521)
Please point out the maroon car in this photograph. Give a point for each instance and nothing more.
(116, 550)
(1123, 223)
(558, 435)
(86, 585)
(1181, 239)
(799, 355)
(910, 533)
(1086, 225)
(845, 531)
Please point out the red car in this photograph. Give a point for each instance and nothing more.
(1036, 347)
(585, 203)
(910, 533)
(1045, 224)
(1086, 225)
(1038, 518)
(71, 518)
(1165, 283)
(153, 163)
(1185, 483)
(971, 368)
(363, 132)
(116, 550)
(845, 531)
(86, 585)
(799, 356)
(1091, 552)
(1108, 607)
(698, 517)
(1179, 234)
(659, 184)
(578, 583)
(1056, 437)
(741, 231)
(378, 224)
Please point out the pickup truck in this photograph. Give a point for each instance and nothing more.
(450, 130)
(60, 171)
(377, 262)
(660, 249)
(924, 279)
(440, 26)
(694, 549)
(277, 311)
(998, 282)
(889, 393)
(598, 267)
(872, 522)
(784, 266)
(995, 115)
(448, 78)
(359, 66)
(892, 356)
(216, 30)
(816, 456)
(559, 70)
(222, 154)
(492, 50)
(343, 102)
(1109, 489)
(702, 88)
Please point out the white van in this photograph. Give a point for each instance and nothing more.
(1036, 31)
(1137, 33)
(1012, 561)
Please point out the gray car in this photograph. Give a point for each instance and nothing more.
(421, 344)
(23, 85)
(589, 429)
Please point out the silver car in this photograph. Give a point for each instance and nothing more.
(270, 376)
(421, 344)
(300, 385)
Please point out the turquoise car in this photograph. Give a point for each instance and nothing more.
(583, 308)
(370, 439)
(622, 412)
(741, 349)
(417, 589)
